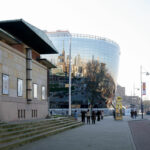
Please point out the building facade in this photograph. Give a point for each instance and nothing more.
(23, 75)
(84, 49)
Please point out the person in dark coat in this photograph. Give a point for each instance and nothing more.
(135, 114)
(93, 117)
(114, 114)
(132, 113)
(83, 116)
(98, 115)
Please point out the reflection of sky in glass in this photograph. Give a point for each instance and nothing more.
(104, 51)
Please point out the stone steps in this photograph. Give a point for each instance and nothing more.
(31, 130)
(27, 132)
(24, 130)
(13, 127)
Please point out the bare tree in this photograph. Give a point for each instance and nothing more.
(100, 84)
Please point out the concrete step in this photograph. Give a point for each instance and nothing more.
(32, 133)
(16, 127)
(20, 137)
(31, 122)
(29, 130)
(19, 126)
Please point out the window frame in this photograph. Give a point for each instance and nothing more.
(3, 74)
(42, 92)
(18, 87)
(34, 91)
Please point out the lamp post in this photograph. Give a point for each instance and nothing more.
(147, 73)
(70, 79)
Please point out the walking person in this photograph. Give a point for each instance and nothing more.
(135, 114)
(98, 115)
(114, 114)
(102, 114)
(83, 116)
(132, 113)
(75, 115)
(88, 114)
(93, 117)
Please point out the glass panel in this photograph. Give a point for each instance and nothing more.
(5, 84)
(43, 92)
(35, 86)
(20, 87)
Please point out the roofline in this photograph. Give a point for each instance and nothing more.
(94, 37)
(13, 27)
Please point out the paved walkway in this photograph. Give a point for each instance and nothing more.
(141, 134)
(104, 135)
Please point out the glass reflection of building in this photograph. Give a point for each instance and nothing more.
(84, 48)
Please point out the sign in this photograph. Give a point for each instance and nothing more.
(143, 88)
(119, 108)
(75, 106)
(66, 85)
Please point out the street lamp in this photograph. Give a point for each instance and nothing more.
(70, 79)
(147, 73)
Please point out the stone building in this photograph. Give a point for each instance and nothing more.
(23, 74)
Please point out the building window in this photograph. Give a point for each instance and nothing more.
(43, 92)
(18, 113)
(35, 86)
(24, 114)
(20, 87)
(34, 113)
(5, 84)
(21, 113)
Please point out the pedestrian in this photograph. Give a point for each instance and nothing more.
(98, 115)
(83, 116)
(114, 114)
(135, 114)
(75, 115)
(88, 114)
(51, 112)
(66, 112)
(132, 114)
(102, 114)
(93, 117)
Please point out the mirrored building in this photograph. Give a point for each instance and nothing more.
(84, 49)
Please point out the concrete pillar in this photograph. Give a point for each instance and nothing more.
(29, 74)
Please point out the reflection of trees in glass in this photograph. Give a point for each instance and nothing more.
(100, 84)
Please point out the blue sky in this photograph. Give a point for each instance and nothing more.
(124, 21)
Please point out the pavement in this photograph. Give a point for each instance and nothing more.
(107, 134)
(140, 130)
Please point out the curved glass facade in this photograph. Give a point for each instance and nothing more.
(84, 48)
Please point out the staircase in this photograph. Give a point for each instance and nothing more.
(13, 135)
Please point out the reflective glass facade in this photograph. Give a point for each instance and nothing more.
(83, 49)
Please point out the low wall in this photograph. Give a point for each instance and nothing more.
(64, 111)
